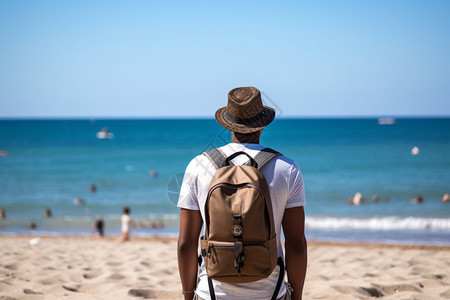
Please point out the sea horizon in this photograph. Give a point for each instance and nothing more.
(278, 117)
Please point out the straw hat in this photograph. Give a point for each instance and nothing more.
(245, 112)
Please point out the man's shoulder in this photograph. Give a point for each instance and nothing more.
(287, 160)
(198, 160)
(283, 160)
(200, 165)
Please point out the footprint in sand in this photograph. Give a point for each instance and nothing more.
(373, 292)
(147, 264)
(72, 287)
(434, 276)
(12, 267)
(146, 294)
(28, 291)
(92, 275)
(392, 289)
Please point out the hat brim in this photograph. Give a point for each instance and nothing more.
(248, 125)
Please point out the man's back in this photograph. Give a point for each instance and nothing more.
(286, 190)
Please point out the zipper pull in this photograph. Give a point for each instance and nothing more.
(209, 250)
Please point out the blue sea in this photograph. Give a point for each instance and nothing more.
(49, 163)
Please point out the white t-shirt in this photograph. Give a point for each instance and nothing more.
(286, 190)
(125, 220)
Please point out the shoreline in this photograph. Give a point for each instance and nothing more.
(167, 239)
(406, 231)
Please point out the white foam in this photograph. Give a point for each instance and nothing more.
(35, 241)
(379, 223)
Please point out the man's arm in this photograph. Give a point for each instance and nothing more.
(296, 252)
(190, 226)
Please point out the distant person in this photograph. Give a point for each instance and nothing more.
(93, 188)
(105, 134)
(445, 198)
(356, 199)
(155, 224)
(78, 201)
(153, 173)
(3, 153)
(126, 224)
(32, 225)
(48, 213)
(417, 200)
(2, 214)
(99, 226)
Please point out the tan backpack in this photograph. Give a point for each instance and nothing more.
(240, 243)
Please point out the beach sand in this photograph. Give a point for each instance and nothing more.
(94, 268)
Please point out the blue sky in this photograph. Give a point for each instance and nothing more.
(180, 58)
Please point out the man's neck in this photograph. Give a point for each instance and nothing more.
(250, 138)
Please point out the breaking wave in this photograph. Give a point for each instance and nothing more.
(378, 223)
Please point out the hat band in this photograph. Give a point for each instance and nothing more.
(244, 121)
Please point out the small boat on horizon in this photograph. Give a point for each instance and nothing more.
(386, 121)
(105, 134)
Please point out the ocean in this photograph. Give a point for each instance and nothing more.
(140, 164)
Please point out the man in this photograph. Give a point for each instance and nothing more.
(245, 116)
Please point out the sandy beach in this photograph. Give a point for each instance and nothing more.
(93, 268)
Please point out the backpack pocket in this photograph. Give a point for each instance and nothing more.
(220, 262)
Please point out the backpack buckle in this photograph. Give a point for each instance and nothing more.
(237, 230)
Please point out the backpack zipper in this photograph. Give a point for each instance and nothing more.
(231, 244)
(235, 186)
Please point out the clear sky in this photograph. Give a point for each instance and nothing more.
(180, 58)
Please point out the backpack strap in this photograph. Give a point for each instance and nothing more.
(212, 294)
(264, 156)
(251, 161)
(216, 157)
(280, 279)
